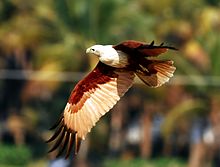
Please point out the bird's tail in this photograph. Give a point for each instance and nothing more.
(155, 73)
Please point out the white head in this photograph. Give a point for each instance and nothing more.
(100, 50)
(108, 55)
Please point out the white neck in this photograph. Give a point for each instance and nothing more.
(112, 57)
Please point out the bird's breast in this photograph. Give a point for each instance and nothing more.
(117, 59)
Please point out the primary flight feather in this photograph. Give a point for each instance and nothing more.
(100, 90)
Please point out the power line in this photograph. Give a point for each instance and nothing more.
(194, 80)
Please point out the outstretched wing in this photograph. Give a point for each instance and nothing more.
(140, 48)
(91, 98)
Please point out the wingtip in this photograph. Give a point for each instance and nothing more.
(55, 135)
(77, 144)
(172, 48)
(57, 123)
(152, 43)
(62, 140)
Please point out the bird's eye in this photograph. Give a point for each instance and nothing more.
(93, 50)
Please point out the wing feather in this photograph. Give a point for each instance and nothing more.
(140, 48)
(91, 98)
(69, 145)
(157, 73)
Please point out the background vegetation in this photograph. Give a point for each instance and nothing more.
(42, 56)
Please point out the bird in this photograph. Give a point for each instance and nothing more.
(102, 88)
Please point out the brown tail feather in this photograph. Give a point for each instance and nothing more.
(155, 73)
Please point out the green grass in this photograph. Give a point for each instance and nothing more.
(11, 155)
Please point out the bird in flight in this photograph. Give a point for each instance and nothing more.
(100, 90)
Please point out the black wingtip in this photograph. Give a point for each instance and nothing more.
(57, 123)
(64, 144)
(152, 43)
(152, 46)
(77, 144)
(70, 145)
(172, 48)
(59, 128)
(58, 141)
(64, 140)
(162, 46)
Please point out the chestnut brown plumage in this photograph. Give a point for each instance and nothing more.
(100, 90)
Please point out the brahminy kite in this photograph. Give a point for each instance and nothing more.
(100, 90)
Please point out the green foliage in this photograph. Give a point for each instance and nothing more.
(58, 31)
(214, 53)
(5, 10)
(12, 155)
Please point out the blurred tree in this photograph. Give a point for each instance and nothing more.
(52, 35)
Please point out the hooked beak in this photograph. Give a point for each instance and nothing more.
(88, 50)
